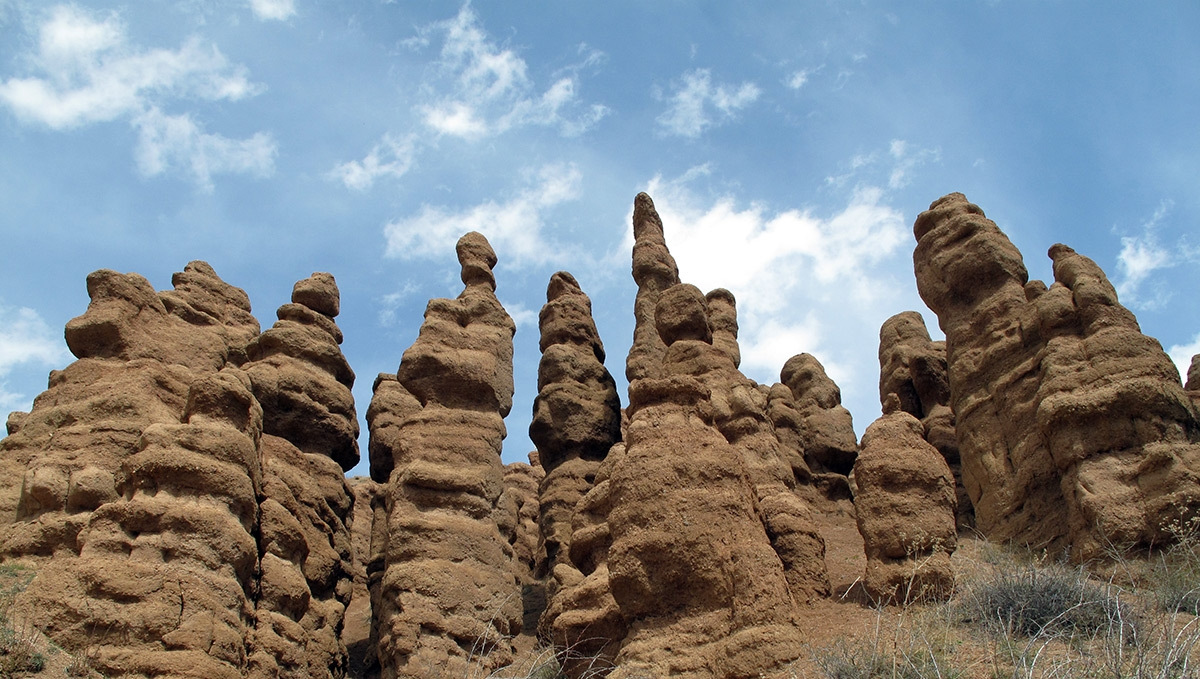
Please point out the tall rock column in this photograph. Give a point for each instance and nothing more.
(654, 270)
(1072, 425)
(691, 565)
(302, 380)
(913, 367)
(577, 413)
(448, 598)
(827, 429)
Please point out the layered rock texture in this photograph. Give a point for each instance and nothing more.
(180, 491)
(448, 600)
(195, 545)
(913, 368)
(1073, 427)
(905, 508)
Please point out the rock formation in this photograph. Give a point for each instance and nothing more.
(577, 413)
(825, 425)
(913, 367)
(139, 351)
(448, 598)
(654, 270)
(1073, 428)
(905, 510)
(691, 565)
(300, 377)
(164, 582)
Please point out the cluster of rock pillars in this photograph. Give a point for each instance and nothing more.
(180, 487)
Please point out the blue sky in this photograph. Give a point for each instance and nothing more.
(788, 146)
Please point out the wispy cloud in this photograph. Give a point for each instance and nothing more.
(484, 89)
(696, 104)
(513, 226)
(1142, 255)
(273, 10)
(391, 157)
(89, 73)
(25, 338)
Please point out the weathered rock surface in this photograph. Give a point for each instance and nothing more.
(913, 367)
(1072, 425)
(576, 415)
(691, 565)
(139, 351)
(905, 510)
(825, 425)
(448, 599)
(165, 579)
(518, 517)
(654, 270)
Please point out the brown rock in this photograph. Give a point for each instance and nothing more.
(518, 518)
(654, 270)
(905, 511)
(448, 598)
(827, 428)
(1072, 425)
(576, 415)
(913, 367)
(301, 377)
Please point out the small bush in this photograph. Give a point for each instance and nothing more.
(1029, 601)
(863, 662)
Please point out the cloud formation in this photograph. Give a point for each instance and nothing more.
(88, 73)
(513, 226)
(484, 89)
(273, 10)
(25, 338)
(696, 104)
(1142, 255)
(391, 157)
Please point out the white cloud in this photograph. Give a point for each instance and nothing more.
(389, 304)
(276, 10)
(692, 105)
(166, 142)
(90, 74)
(1182, 355)
(798, 79)
(819, 280)
(1142, 255)
(391, 157)
(25, 338)
(523, 316)
(485, 89)
(513, 226)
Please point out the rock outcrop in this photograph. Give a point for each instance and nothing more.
(302, 381)
(826, 427)
(448, 599)
(654, 270)
(1073, 428)
(165, 579)
(139, 351)
(576, 415)
(913, 367)
(905, 510)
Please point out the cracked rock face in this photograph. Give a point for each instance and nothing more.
(448, 598)
(1072, 426)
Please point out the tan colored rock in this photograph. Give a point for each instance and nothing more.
(165, 577)
(518, 518)
(691, 565)
(576, 415)
(138, 352)
(827, 428)
(913, 367)
(905, 511)
(448, 599)
(1072, 425)
(654, 270)
(301, 377)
